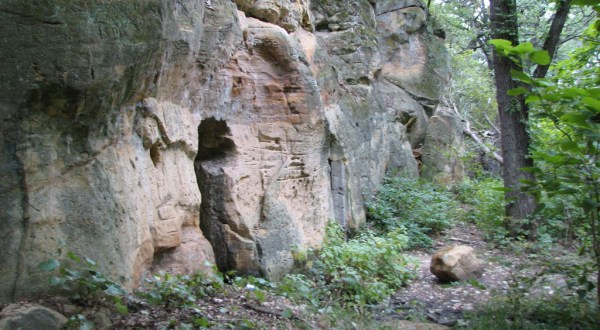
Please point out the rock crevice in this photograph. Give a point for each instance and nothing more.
(164, 134)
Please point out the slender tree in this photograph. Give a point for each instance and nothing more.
(513, 111)
(513, 114)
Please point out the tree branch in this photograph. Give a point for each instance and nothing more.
(467, 130)
(558, 23)
(491, 123)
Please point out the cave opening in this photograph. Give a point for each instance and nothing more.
(214, 148)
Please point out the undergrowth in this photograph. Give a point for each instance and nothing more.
(483, 199)
(538, 300)
(343, 283)
(361, 271)
(421, 208)
(343, 277)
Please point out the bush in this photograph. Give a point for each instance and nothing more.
(484, 199)
(79, 276)
(420, 208)
(361, 271)
(177, 290)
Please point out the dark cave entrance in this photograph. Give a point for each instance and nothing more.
(214, 148)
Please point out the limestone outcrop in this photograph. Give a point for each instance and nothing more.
(161, 134)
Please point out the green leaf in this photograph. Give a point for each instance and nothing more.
(113, 290)
(589, 205)
(552, 97)
(575, 118)
(55, 281)
(585, 2)
(531, 98)
(49, 265)
(73, 256)
(573, 92)
(524, 48)
(569, 146)
(592, 103)
(201, 322)
(90, 262)
(501, 43)
(539, 208)
(540, 57)
(517, 91)
(544, 82)
(121, 308)
(520, 76)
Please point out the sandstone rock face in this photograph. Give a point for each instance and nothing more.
(443, 148)
(30, 317)
(456, 263)
(162, 134)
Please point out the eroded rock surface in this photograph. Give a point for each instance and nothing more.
(456, 263)
(443, 148)
(30, 316)
(162, 134)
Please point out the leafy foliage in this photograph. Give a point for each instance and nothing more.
(177, 290)
(365, 269)
(80, 277)
(568, 109)
(418, 207)
(484, 201)
(360, 271)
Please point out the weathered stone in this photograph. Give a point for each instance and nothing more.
(30, 317)
(137, 132)
(456, 263)
(194, 254)
(100, 318)
(443, 148)
(289, 14)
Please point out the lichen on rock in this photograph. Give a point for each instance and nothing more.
(160, 134)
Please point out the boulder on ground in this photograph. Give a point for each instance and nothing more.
(456, 263)
(30, 317)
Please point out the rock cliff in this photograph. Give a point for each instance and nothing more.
(161, 134)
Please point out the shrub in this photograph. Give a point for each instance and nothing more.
(361, 271)
(177, 290)
(79, 276)
(418, 207)
(484, 200)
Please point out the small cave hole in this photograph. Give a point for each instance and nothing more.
(213, 140)
(155, 154)
(322, 26)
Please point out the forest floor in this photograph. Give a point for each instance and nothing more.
(510, 271)
(444, 303)
(424, 300)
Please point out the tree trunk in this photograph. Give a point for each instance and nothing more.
(513, 114)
